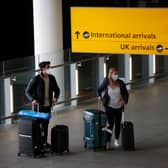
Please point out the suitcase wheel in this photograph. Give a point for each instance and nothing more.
(19, 154)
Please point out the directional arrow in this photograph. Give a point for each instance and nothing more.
(77, 33)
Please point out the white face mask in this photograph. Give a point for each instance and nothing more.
(114, 77)
(46, 71)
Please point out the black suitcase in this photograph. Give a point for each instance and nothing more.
(30, 141)
(127, 133)
(59, 139)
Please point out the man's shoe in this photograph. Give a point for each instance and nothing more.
(116, 143)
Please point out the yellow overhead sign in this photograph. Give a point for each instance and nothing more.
(119, 30)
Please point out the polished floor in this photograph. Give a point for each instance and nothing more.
(147, 108)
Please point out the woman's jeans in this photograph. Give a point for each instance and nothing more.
(113, 118)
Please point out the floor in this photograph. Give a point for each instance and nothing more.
(147, 109)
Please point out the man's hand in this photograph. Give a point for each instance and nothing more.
(54, 100)
(34, 102)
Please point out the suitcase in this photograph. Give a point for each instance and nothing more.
(29, 132)
(94, 120)
(60, 139)
(30, 140)
(127, 133)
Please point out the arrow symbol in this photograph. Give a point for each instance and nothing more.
(77, 33)
(159, 48)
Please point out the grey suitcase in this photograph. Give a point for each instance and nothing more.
(30, 140)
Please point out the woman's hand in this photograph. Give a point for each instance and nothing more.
(121, 103)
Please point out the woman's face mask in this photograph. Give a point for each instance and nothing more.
(115, 77)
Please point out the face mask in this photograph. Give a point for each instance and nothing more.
(114, 77)
(46, 71)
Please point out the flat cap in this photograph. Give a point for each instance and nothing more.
(44, 63)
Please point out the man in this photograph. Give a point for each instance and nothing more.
(43, 90)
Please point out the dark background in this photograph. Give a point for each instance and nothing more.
(17, 39)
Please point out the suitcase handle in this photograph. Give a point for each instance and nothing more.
(53, 109)
(123, 114)
(33, 105)
(99, 105)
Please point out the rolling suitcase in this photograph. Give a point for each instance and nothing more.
(29, 132)
(59, 139)
(94, 120)
(127, 133)
(30, 140)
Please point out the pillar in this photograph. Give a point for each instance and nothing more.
(74, 83)
(48, 37)
(8, 99)
(152, 67)
(128, 69)
(101, 69)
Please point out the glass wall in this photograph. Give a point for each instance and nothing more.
(1, 98)
(161, 64)
(78, 70)
(82, 75)
(18, 71)
(116, 61)
(139, 66)
(88, 78)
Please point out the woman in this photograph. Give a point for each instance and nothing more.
(114, 99)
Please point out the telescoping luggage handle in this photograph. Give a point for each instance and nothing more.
(100, 105)
(123, 114)
(100, 108)
(33, 107)
(53, 109)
